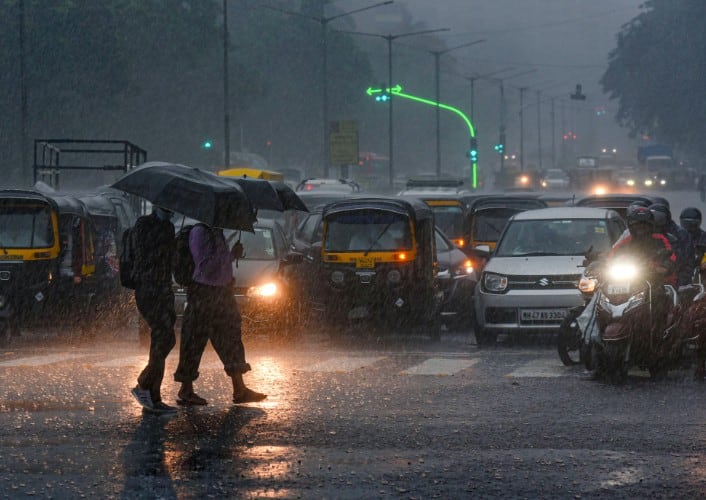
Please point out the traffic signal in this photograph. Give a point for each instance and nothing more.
(207, 144)
(499, 148)
(473, 152)
(384, 95)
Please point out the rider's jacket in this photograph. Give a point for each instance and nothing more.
(656, 251)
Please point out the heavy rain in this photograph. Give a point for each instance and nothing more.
(352, 249)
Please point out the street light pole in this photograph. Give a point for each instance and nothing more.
(437, 55)
(226, 107)
(324, 21)
(522, 129)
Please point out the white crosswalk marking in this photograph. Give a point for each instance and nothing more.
(440, 366)
(341, 364)
(40, 360)
(540, 368)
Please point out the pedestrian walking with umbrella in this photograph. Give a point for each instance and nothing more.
(206, 198)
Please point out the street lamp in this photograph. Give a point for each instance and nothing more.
(389, 39)
(437, 55)
(324, 63)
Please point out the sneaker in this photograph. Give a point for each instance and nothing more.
(143, 397)
(160, 407)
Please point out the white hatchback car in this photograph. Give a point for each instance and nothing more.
(531, 280)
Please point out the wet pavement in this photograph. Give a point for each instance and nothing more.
(352, 416)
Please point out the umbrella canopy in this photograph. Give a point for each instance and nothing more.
(261, 193)
(190, 191)
(290, 200)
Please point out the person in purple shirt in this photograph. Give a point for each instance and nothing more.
(212, 314)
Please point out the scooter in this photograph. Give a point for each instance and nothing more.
(633, 315)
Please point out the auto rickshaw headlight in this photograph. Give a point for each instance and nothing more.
(494, 282)
(338, 277)
(394, 276)
(267, 290)
(3, 301)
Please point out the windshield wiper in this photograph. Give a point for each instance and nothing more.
(377, 238)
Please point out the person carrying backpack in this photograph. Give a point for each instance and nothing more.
(152, 242)
(212, 314)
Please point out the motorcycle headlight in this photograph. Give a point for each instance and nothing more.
(3, 301)
(622, 271)
(337, 277)
(587, 285)
(495, 283)
(267, 290)
(464, 269)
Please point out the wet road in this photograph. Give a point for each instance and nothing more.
(351, 417)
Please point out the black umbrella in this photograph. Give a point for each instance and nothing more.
(261, 193)
(190, 191)
(290, 200)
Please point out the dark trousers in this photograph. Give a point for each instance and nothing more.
(156, 305)
(211, 314)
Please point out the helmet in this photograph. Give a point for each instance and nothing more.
(641, 221)
(690, 219)
(635, 204)
(661, 207)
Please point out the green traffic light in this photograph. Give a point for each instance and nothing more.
(207, 145)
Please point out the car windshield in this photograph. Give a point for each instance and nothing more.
(489, 223)
(367, 230)
(258, 245)
(25, 226)
(553, 237)
(556, 174)
(449, 219)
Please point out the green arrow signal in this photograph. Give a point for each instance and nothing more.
(372, 91)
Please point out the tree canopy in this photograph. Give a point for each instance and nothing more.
(656, 72)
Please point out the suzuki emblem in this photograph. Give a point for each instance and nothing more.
(544, 282)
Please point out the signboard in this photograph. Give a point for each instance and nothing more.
(343, 142)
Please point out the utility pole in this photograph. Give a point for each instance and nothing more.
(539, 130)
(522, 129)
(553, 135)
(24, 170)
(226, 106)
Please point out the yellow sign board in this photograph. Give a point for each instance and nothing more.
(343, 142)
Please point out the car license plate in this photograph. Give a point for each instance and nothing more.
(617, 289)
(542, 314)
(365, 262)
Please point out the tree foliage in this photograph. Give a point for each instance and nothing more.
(151, 72)
(656, 72)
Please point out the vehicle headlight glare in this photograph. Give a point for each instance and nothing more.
(663, 182)
(495, 282)
(394, 276)
(465, 268)
(266, 290)
(622, 272)
(337, 277)
(648, 182)
(630, 182)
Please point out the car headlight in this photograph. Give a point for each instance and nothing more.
(337, 277)
(267, 290)
(648, 182)
(465, 268)
(630, 182)
(662, 182)
(544, 184)
(3, 301)
(495, 283)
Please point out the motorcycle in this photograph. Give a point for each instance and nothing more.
(633, 316)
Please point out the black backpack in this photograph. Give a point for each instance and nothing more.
(126, 260)
(183, 260)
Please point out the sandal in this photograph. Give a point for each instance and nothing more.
(249, 396)
(191, 399)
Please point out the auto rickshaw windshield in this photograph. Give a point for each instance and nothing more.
(450, 220)
(25, 226)
(367, 231)
(490, 222)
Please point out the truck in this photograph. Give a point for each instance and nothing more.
(659, 164)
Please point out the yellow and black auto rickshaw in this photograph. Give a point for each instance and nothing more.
(46, 252)
(378, 262)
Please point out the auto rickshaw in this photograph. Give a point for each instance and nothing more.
(378, 263)
(46, 251)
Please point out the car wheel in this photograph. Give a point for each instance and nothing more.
(569, 341)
